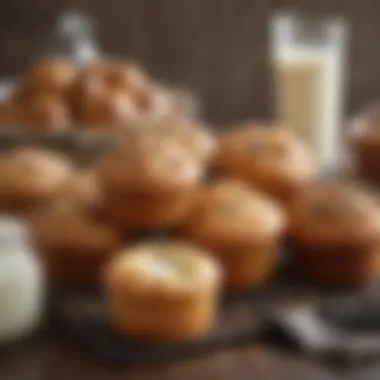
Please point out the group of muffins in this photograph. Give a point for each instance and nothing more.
(333, 228)
(222, 230)
(54, 96)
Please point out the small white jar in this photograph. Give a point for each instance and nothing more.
(21, 282)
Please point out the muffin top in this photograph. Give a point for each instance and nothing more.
(51, 76)
(332, 212)
(114, 74)
(172, 269)
(32, 172)
(267, 151)
(106, 77)
(192, 135)
(112, 109)
(230, 213)
(155, 103)
(147, 162)
(71, 228)
(46, 113)
(116, 92)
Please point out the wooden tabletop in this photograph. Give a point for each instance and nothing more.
(54, 356)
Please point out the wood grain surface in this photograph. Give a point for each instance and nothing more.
(53, 357)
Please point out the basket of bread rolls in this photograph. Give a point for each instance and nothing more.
(59, 104)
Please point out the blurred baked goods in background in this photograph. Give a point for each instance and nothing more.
(55, 95)
(242, 227)
(103, 94)
(334, 230)
(52, 76)
(163, 291)
(268, 157)
(149, 181)
(47, 113)
(108, 75)
(108, 111)
(29, 176)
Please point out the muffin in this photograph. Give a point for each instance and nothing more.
(47, 77)
(334, 230)
(154, 103)
(195, 137)
(165, 291)
(114, 74)
(96, 82)
(46, 113)
(242, 227)
(74, 241)
(112, 110)
(149, 182)
(269, 158)
(364, 141)
(126, 74)
(29, 176)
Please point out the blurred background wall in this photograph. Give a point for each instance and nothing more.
(217, 47)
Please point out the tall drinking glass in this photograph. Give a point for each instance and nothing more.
(308, 61)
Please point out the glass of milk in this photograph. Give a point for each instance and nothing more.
(308, 61)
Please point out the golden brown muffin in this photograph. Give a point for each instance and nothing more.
(335, 229)
(195, 137)
(115, 74)
(46, 113)
(98, 81)
(74, 242)
(270, 158)
(364, 140)
(154, 103)
(242, 227)
(50, 76)
(29, 176)
(149, 182)
(166, 291)
(113, 109)
(128, 75)
(9, 114)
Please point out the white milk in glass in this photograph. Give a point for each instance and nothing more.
(308, 83)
